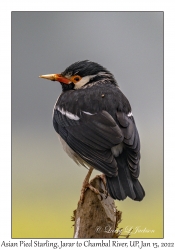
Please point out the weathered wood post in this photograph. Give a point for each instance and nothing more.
(97, 217)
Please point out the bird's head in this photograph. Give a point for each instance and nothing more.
(81, 74)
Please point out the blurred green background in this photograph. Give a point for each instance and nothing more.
(45, 182)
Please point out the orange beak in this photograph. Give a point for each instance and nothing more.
(56, 77)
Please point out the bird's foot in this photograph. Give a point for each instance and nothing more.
(103, 178)
(84, 188)
(102, 192)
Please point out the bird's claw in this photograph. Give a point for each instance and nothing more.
(103, 178)
(96, 191)
(102, 193)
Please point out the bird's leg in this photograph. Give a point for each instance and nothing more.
(86, 185)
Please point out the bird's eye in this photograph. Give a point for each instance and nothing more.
(75, 78)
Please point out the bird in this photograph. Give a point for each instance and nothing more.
(96, 127)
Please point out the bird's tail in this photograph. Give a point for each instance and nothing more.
(123, 185)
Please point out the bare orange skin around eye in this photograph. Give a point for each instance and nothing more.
(75, 78)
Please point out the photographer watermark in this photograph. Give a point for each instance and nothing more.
(127, 229)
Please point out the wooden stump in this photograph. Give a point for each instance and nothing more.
(97, 217)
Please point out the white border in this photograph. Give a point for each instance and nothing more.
(5, 95)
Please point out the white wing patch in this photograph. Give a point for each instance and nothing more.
(87, 113)
(129, 114)
(68, 114)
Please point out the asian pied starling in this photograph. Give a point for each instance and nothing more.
(97, 129)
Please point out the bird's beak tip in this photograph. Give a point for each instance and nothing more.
(48, 77)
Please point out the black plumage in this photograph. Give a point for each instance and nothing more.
(94, 119)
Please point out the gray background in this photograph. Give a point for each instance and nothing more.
(130, 45)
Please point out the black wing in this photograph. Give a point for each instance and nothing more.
(92, 136)
(127, 183)
(131, 142)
